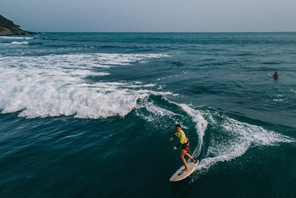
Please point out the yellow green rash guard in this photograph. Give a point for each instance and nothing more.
(181, 135)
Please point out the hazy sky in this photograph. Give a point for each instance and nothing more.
(151, 15)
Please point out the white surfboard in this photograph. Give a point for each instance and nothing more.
(179, 174)
(273, 76)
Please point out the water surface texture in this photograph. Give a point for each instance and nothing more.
(91, 114)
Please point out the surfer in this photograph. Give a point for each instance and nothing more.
(276, 76)
(185, 146)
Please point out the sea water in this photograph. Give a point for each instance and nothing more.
(91, 114)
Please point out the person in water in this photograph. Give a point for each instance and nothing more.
(276, 75)
(185, 146)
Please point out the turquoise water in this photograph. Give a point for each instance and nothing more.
(91, 114)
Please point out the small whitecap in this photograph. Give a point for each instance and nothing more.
(15, 37)
(19, 43)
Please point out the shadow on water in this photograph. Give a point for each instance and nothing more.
(182, 187)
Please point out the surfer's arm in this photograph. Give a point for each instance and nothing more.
(176, 147)
(179, 145)
(173, 137)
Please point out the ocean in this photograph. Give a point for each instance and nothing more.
(91, 114)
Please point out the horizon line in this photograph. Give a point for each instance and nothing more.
(164, 32)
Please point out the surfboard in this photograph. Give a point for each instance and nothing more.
(273, 76)
(179, 174)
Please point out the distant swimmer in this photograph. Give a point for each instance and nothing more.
(179, 64)
(185, 146)
(276, 76)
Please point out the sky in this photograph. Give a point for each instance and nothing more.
(151, 15)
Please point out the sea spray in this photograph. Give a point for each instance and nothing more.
(201, 126)
(55, 85)
(234, 138)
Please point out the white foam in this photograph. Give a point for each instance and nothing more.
(20, 43)
(278, 100)
(55, 85)
(53, 93)
(158, 111)
(71, 136)
(161, 119)
(16, 38)
(155, 113)
(125, 59)
(201, 125)
(292, 90)
(85, 73)
(78, 61)
(172, 76)
(235, 138)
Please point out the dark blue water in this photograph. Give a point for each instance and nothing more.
(91, 114)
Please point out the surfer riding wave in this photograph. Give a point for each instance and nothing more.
(185, 146)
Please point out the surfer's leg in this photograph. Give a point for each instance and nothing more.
(188, 155)
(186, 148)
(183, 152)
